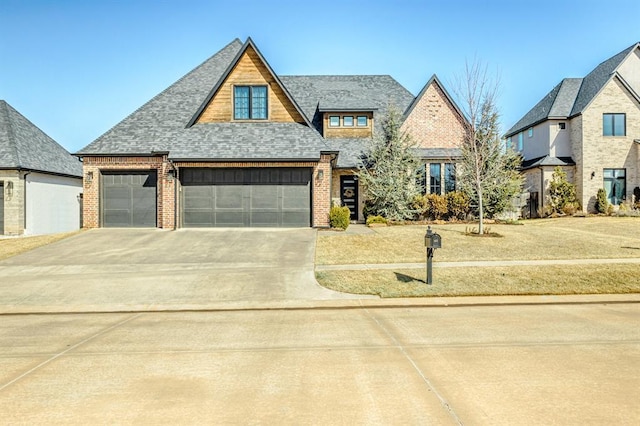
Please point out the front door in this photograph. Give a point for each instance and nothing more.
(349, 194)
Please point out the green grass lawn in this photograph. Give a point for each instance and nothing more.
(562, 238)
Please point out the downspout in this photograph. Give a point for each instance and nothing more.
(541, 191)
(24, 208)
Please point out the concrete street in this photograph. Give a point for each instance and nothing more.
(499, 365)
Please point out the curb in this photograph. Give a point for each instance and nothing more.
(435, 302)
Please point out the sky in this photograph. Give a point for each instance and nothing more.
(75, 68)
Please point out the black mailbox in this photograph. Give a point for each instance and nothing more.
(432, 240)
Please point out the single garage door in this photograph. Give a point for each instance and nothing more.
(129, 199)
(273, 197)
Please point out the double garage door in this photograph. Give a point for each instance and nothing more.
(270, 197)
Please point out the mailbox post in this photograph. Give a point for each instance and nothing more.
(432, 241)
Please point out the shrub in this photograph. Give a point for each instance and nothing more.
(570, 209)
(436, 206)
(420, 205)
(457, 205)
(561, 192)
(376, 219)
(602, 204)
(339, 217)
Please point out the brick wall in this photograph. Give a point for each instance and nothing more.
(321, 192)
(434, 122)
(13, 187)
(594, 152)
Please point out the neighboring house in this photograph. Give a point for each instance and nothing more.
(40, 182)
(234, 144)
(590, 127)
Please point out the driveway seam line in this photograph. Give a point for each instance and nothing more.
(443, 401)
(69, 349)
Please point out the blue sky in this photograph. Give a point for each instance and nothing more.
(76, 68)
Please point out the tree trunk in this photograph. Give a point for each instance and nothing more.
(480, 212)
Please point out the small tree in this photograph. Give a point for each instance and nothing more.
(602, 203)
(561, 191)
(489, 173)
(387, 171)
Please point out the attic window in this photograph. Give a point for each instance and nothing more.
(362, 121)
(334, 121)
(562, 126)
(250, 102)
(347, 121)
(530, 132)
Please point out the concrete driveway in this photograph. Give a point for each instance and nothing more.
(125, 269)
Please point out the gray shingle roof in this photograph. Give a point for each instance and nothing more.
(547, 160)
(162, 123)
(572, 95)
(24, 146)
(346, 92)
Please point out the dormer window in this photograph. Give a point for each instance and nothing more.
(347, 121)
(562, 126)
(334, 121)
(250, 102)
(362, 121)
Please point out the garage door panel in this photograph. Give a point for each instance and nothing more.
(129, 199)
(229, 197)
(247, 197)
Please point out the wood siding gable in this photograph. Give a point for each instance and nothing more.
(433, 119)
(249, 68)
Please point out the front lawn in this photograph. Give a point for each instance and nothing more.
(562, 238)
(13, 246)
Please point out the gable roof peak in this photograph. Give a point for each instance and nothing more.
(433, 80)
(248, 43)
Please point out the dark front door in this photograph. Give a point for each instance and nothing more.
(1, 208)
(129, 199)
(349, 194)
(258, 197)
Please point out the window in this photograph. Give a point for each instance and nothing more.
(334, 121)
(363, 121)
(614, 124)
(250, 102)
(520, 141)
(562, 126)
(508, 142)
(530, 132)
(435, 181)
(449, 177)
(615, 183)
(347, 121)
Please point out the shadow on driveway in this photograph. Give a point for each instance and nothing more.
(119, 269)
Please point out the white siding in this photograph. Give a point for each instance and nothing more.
(629, 70)
(538, 144)
(52, 204)
(560, 142)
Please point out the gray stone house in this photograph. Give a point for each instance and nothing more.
(40, 182)
(590, 127)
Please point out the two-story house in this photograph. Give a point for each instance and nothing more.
(234, 144)
(590, 127)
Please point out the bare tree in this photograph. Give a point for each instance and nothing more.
(488, 171)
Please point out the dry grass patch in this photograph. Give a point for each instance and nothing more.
(487, 281)
(13, 246)
(563, 238)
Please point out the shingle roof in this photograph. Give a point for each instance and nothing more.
(162, 123)
(572, 95)
(24, 146)
(547, 160)
(346, 92)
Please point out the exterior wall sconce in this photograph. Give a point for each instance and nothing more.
(9, 189)
(593, 174)
(171, 174)
(320, 174)
(89, 177)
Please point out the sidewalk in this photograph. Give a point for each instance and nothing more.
(475, 264)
